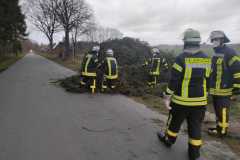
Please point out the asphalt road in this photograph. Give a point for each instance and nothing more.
(39, 121)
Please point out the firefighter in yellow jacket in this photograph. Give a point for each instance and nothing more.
(186, 95)
(110, 71)
(154, 65)
(225, 80)
(89, 69)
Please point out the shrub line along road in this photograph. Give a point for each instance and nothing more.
(39, 121)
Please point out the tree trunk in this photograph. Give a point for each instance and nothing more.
(66, 45)
(74, 40)
(50, 44)
(74, 48)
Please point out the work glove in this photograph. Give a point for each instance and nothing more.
(233, 98)
(167, 101)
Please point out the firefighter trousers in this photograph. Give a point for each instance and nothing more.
(89, 82)
(108, 83)
(153, 80)
(194, 116)
(221, 106)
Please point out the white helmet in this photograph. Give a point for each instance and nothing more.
(155, 51)
(219, 35)
(96, 49)
(110, 52)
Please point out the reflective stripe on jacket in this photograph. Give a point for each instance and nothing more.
(155, 64)
(110, 68)
(225, 74)
(189, 79)
(89, 66)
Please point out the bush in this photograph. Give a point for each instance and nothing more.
(131, 54)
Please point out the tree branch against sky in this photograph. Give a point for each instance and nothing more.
(44, 18)
(163, 22)
(79, 30)
(71, 13)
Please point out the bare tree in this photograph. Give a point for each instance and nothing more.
(44, 18)
(90, 35)
(71, 13)
(78, 31)
(113, 33)
(100, 34)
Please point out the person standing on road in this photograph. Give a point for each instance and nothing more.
(110, 71)
(154, 65)
(186, 95)
(225, 80)
(89, 69)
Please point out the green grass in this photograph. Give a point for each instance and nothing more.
(156, 103)
(69, 63)
(235, 111)
(7, 61)
(153, 102)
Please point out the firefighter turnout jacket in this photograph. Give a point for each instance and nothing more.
(89, 65)
(225, 76)
(110, 68)
(154, 64)
(189, 79)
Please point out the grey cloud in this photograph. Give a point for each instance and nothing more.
(163, 21)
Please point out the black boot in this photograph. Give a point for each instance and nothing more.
(216, 132)
(213, 131)
(162, 138)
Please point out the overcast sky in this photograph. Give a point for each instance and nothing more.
(163, 21)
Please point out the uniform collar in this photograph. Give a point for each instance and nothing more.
(192, 50)
(219, 49)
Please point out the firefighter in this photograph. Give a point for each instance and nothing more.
(89, 69)
(225, 80)
(110, 71)
(186, 94)
(154, 65)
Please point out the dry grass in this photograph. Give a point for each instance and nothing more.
(7, 61)
(153, 102)
(73, 64)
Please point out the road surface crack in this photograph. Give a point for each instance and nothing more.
(95, 130)
(111, 129)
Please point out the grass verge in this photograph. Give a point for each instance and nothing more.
(7, 61)
(73, 64)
